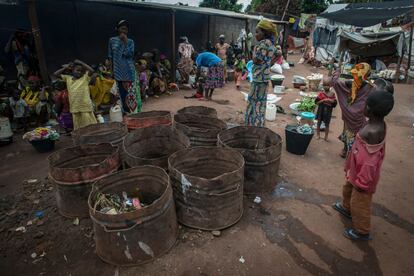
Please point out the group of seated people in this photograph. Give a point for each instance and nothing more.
(79, 91)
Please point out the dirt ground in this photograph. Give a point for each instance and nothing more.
(294, 231)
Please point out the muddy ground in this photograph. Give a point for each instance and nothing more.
(294, 231)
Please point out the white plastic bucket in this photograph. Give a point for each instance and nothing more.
(5, 128)
(115, 114)
(270, 112)
(278, 89)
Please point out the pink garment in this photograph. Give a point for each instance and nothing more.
(279, 60)
(363, 164)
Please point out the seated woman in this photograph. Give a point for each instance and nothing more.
(165, 66)
(157, 84)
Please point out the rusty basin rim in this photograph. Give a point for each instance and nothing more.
(243, 129)
(97, 131)
(173, 131)
(219, 124)
(149, 114)
(192, 109)
(236, 154)
(147, 209)
(113, 155)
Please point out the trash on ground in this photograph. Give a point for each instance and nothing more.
(32, 181)
(39, 214)
(257, 200)
(242, 260)
(216, 233)
(76, 221)
(21, 229)
(281, 217)
(33, 255)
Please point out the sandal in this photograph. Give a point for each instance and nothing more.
(352, 234)
(338, 207)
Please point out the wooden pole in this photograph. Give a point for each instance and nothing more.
(173, 45)
(208, 31)
(284, 12)
(37, 40)
(398, 71)
(284, 42)
(409, 53)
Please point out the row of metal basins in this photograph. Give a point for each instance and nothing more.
(189, 169)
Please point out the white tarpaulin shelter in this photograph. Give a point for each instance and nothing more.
(370, 44)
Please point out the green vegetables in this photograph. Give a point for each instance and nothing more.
(307, 104)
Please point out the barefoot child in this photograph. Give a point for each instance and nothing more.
(239, 68)
(363, 166)
(80, 102)
(326, 102)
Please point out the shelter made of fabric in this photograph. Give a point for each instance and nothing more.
(368, 14)
(370, 44)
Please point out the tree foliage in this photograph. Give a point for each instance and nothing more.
(296, 7)
(314, 6)
(229, 5)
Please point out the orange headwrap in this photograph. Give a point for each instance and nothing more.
(360, 73)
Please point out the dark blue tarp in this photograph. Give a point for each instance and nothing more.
(369, 14)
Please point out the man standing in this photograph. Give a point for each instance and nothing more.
(221, 50)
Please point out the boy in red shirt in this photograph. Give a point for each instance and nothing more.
(363, 166)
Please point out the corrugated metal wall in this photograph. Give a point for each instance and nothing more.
(80, 29)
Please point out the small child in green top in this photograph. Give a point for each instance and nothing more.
(239, 68)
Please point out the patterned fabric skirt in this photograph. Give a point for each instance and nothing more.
(348, 138)
(128, 95)
(215, 77)
(256, 107)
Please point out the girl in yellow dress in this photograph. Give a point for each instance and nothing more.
(77, 84)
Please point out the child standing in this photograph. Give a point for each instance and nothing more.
(20, 110)
(143, 80)
(239, 67)
(363, 166)
(62, 108)
(326, 102)
(80, 101)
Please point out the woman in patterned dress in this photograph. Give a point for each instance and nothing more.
(121, 53)
(262, 59)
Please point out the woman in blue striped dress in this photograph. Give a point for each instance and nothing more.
(121, 53)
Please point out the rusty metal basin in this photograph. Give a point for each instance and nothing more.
(73, 170)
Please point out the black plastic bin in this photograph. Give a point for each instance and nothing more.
(44, 145)
(296, 143)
